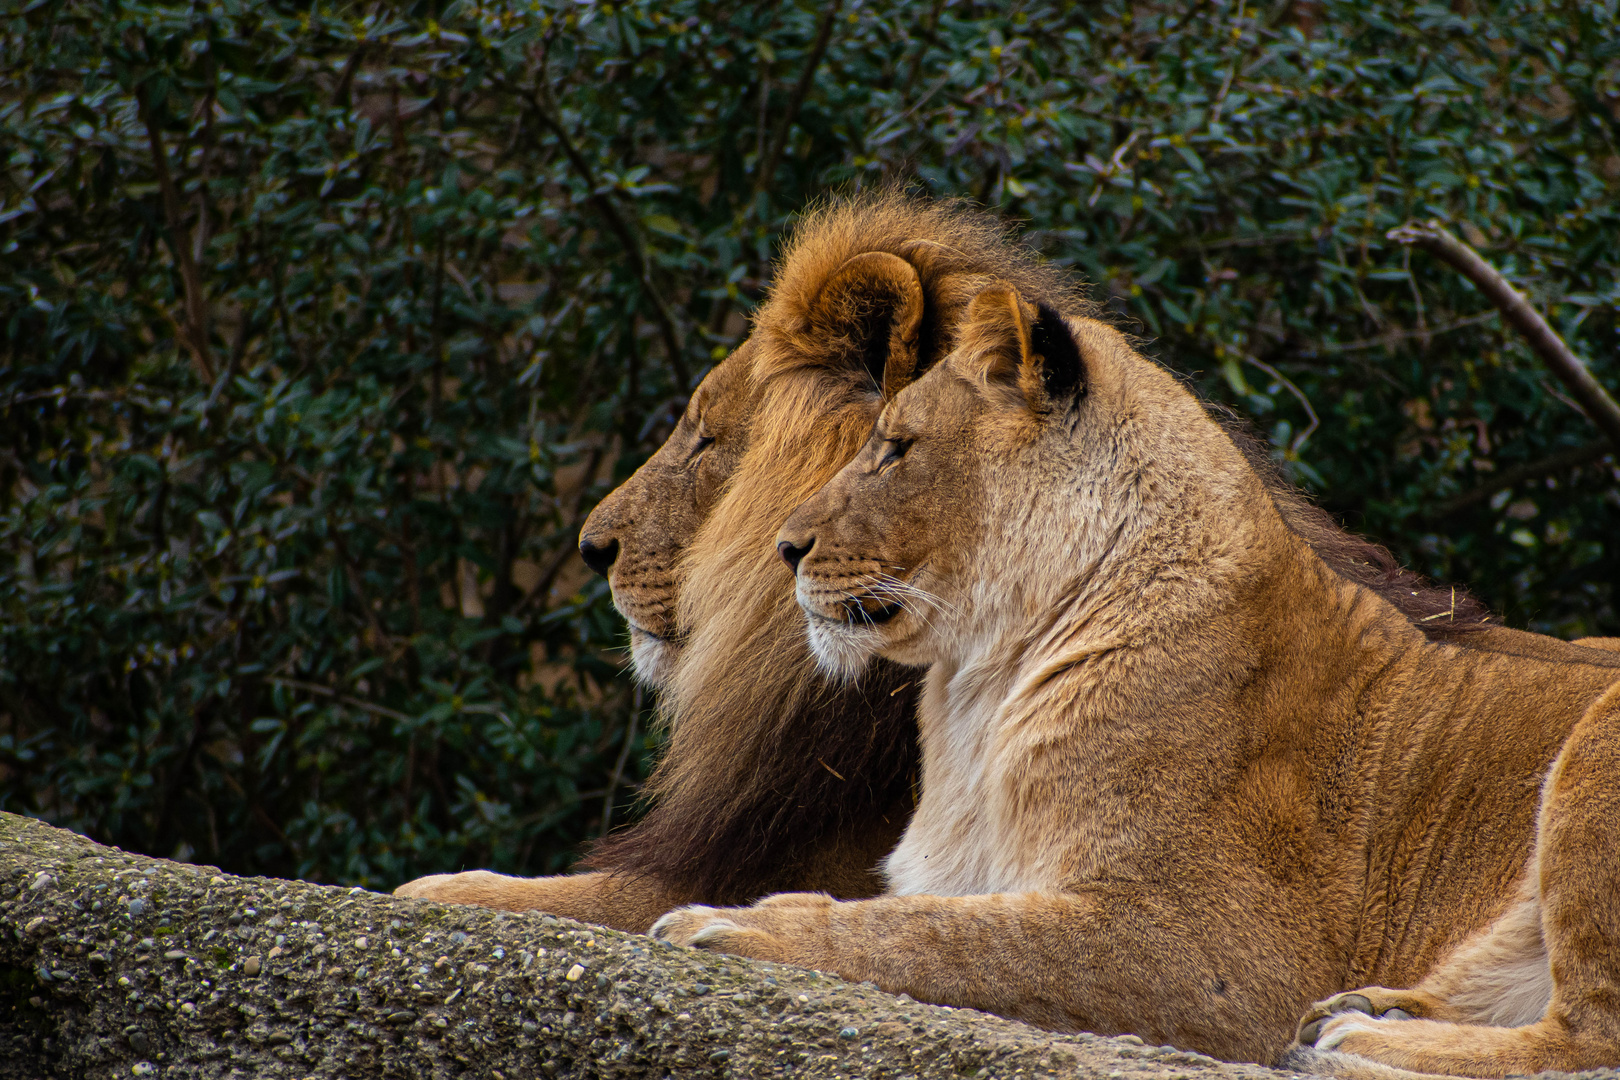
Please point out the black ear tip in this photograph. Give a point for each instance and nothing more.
(1061, 368)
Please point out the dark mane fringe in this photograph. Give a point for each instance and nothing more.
(843, 769)
(1442, 612)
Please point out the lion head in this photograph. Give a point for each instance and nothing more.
(764, 752)
(636, 536)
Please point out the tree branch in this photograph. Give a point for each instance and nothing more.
(180, 244)
(668, 328)
(1593, 398)
(1553, 464)
(773, 157)
(113, 964)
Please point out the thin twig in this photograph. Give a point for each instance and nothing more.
(327, 691)
(71, 393)
(180, 244)
(565, 551)
(544, 107)
(894, 122)
(1300, 439)
(1231, 72)
(930, 31)
(1391, 337)
(1561, 462)
(764, 108)
(767, 167)
(1593, 398)
(618, 766)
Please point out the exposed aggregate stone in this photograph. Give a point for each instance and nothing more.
(115, 965)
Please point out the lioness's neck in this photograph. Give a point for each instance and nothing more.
(1088, 664)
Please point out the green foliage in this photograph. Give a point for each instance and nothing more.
(323, 327)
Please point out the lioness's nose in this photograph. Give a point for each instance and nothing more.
(792, 555)
(598, 557)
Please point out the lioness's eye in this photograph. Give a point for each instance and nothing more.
(703, 443)
(896, 450)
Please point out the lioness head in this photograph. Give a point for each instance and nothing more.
(994, 482)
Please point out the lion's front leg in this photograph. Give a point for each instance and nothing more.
(622, 901)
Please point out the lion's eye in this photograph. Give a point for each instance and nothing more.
(703, 443)
(896, 449)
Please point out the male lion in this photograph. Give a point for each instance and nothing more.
(1181, 774)
(773, 779)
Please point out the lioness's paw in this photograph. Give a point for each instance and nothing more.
(1367, 1005)
(720, 930)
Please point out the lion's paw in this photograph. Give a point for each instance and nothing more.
(448, 888)
(1331, 1021)
(482, 887)
(737, 931)
(796, 900)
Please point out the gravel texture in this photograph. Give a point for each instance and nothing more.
(117, 965)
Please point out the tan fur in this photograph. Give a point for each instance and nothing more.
(773, 777)
(1181, 775)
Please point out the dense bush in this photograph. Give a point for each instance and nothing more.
(324, 325)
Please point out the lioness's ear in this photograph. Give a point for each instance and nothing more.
(867, 317)
(1024, 345)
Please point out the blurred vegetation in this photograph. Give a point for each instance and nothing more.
(324, 324)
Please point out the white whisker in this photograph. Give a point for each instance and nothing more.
(921, 594)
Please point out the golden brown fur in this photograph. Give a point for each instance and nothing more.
(1184, 772)
(774, 777)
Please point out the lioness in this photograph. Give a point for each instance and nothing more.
(1181, 775)
(772, 778)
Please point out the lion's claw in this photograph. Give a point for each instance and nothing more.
(1350, 1003)
(713, 933)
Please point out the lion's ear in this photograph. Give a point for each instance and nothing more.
(868, 317)
(1028, 346)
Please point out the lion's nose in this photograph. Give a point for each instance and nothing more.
(598, 557)
(792, 555)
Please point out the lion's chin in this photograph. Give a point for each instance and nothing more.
(653, 657)
(843, 650)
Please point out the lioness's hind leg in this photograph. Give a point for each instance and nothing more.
(1578, 874)
(1500, 977)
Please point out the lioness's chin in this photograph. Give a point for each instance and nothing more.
(843, 650)
(653, 657)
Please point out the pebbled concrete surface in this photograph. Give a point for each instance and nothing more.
(115, 965)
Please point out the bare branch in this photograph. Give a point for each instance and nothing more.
(180, 244)
(352, 702)
(617, 778)
(1593, 398)
(1551, 465)
(668, 328)
(767, 167)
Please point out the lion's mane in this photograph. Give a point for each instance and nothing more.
(765, 756)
